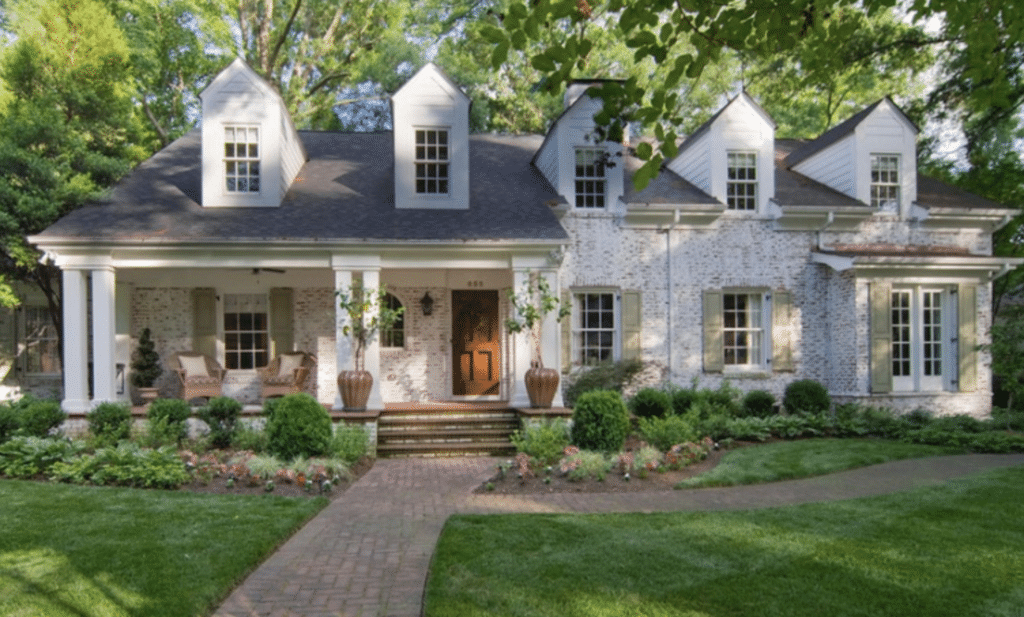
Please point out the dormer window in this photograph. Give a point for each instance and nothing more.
(432, 160)
(885, 180)
(590, 177)
(741, 188)
(241, 159)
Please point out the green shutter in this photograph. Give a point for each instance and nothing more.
(714, 353)
(204, 321)
(968, 337)
(566, 332)
(782, 352)
(881, 338)
(631, 318)
(281, 326)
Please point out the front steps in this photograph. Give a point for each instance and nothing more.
(446, 432)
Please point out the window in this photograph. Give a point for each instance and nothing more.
(748, 330)
(395, 336)
(921, 323)
(246, 339)
(743, 331)
(741, 190)
(594, 328)
(39, 352)
(432, 159)
(885, 180)
(590, 177)
(241, 159)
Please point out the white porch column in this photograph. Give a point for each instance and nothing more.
(371, 355)
(343, 345)
(76, 341)
(521, 349)
(550, 335)
(103, 335)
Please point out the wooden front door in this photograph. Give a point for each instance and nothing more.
(476, 346)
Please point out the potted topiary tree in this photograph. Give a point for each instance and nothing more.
(529, 307)
(146, 368)
(368, 314)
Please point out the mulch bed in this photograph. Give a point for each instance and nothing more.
(219, 485)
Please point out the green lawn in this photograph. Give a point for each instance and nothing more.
(786, 460)
(106, 552)
(954, 550)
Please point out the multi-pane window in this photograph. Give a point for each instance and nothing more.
(241, 159)
(590, 178)
(919, 322)
(432, 159)
(394, 336)
(40, 352)
(885, 180)
(741, 189)
(743, 329)
(246, 340)
(595, 327)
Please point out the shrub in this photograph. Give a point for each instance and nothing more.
(298, 426)
(29, 417)
(806, 395)
(663, 433)
(159, 433)
(146, 367)
(543, 441)
(125, 465)
(586, 464)
(350, 442)
(173, 413)
(651, 403)
(24, 457)
(110, 422)
(8, 422)
(605, 376)
(758, 404)
(963, 423)
(221, 415)
(682, 400)
(600, 421)
(251, 438)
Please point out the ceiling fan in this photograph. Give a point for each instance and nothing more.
(258, 270)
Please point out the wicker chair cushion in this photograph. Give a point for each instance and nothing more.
(289, 362)
(278, 380)
(194, 366)
(204, 380)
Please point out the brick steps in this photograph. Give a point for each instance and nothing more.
(446, 433)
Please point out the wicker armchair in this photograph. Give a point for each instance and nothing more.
(196, 383)
(297, 369)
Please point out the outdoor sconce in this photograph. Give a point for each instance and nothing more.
(427, 304)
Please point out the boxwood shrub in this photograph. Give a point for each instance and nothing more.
(600, 421)
(298, 426)
(651, 403)
(173, 413)
(110, 422)
(221, 415)
(758, 404)
(806, 395)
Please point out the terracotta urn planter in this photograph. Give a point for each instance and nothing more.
(355, 389)
(541, 385)
(148, 395)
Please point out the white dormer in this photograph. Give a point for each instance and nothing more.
(584, 171)
(431, 132)
(871, 157)
(732, 156)
(251, 151)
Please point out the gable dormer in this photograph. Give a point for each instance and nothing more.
(431, 133)
(251, 151)
(586, 172)
(732, 156)
(871, 157)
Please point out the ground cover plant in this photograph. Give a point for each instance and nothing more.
(108, 552)
(954, 550)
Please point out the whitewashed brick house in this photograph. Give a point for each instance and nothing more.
(751, 259)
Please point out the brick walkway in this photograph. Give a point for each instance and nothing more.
(367, 554)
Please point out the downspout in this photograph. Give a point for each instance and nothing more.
(670, 290)
(828, 223)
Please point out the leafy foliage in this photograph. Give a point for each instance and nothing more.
(110, 422)
(529, 307)
(758, 404)
(146, 367)
(806, 395)
(29, 416)
(25, 457)
(221, 415)
(124, 465)
(368, 313)
(605, 376)
(665, 432)
(350, 442)
(651, 403)
(173, 412)
(299, 426)
(543, 441)
(600, 421)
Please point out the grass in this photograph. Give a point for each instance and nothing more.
(952, 550)
(786, 460)
(92, 551)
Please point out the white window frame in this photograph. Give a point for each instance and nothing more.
(430, 159)
(580, 330)
(590, 179)
(755, 330)
(36, 332)
(257, 300)
(885, 181)
(916, 333)
(741, 187)
(387, 337)
(232, 161)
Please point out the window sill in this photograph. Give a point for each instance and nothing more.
(752, 373)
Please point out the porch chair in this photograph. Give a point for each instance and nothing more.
(286, 374)
(200, 375)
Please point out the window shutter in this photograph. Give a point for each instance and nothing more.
(782, 352)
(714, 354)
(204, 321)
(631, 319)
(281, 326)
(881, 338)
(566, 332)
(967, 313)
